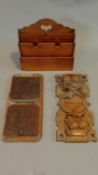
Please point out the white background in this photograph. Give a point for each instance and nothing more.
(47, 156)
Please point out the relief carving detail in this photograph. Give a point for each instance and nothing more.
(74, 120)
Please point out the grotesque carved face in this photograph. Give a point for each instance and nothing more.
(73, 84)
(73, 106)
(79, 125)
(74, 120)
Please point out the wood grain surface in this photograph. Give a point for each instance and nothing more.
(23, 120)
(47, 63)
(48, 44)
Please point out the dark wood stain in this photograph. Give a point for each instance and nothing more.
(25, 88)
(24, 117)
(22, 120)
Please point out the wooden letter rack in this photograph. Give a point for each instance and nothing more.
(46, 45)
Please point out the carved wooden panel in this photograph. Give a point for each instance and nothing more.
(74, 119)
(24, 112)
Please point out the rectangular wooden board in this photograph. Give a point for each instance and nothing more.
(24, 112)
(51, 38)
(47, 49)
(47, 63)
(25, 88)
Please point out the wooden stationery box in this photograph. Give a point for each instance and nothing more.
(46, 45)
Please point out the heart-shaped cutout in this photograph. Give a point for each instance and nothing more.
(46, 27)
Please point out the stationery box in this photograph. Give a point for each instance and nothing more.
(46, 45)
